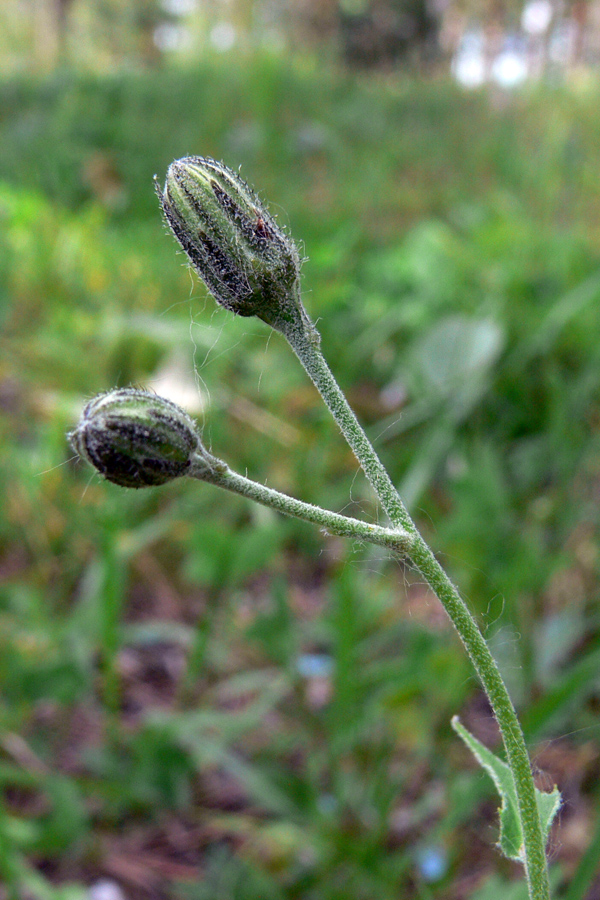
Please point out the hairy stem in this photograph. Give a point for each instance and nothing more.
(304, 340)
(512, 734)
(205, 468)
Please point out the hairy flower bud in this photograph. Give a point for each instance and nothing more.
(136, 439)
(249, 265)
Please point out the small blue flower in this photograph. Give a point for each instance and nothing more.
(315, 665)
(432, 863)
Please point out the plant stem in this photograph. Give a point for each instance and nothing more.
(207, 468)
(512, 735)
(304, 340)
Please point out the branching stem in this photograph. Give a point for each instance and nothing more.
(215, 471)
(304, 340)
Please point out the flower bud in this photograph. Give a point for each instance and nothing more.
(136, 439)
(249, 265)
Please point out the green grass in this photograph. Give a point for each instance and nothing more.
(243, 707)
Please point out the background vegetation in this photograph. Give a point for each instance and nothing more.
(200, 699)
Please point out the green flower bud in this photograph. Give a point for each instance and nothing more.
(136, 439)
(249, 265)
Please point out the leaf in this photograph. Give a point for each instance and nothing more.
(41, 889)
(457, 353)
(511, 832)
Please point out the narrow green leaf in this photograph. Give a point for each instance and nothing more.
(511, 833)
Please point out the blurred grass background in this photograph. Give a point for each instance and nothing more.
(199, 699)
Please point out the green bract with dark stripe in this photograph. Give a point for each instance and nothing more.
(136, 439)
(246, 261)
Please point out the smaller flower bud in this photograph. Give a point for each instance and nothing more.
(136, 439)
(249, 264)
